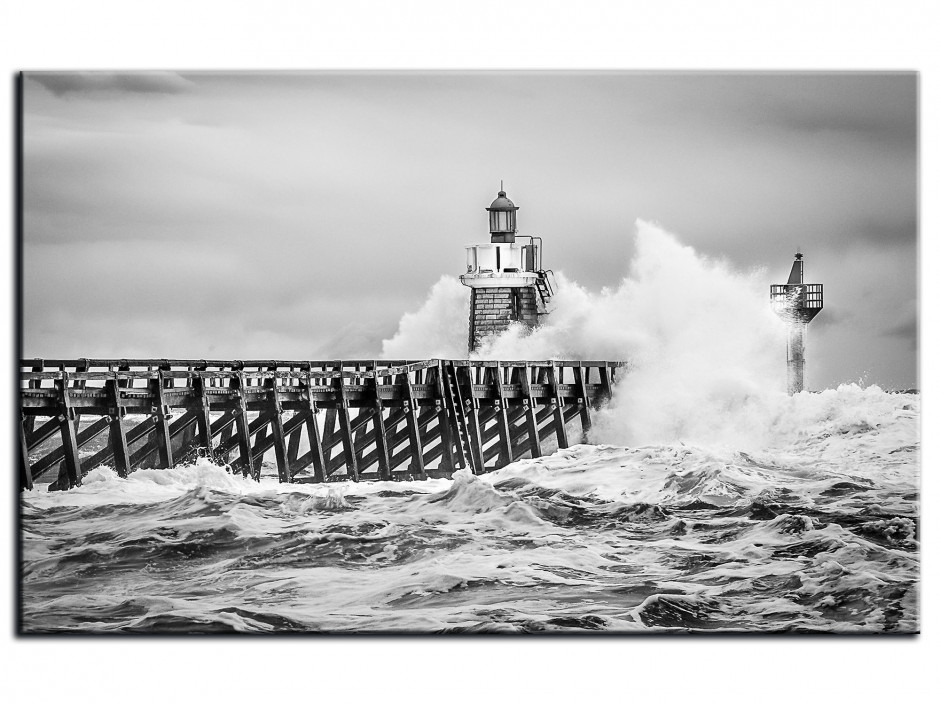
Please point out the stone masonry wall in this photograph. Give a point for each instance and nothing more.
(492, 310)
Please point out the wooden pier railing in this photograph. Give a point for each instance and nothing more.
(362, 419)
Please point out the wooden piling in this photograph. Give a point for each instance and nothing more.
(316, 444)
(118, 441)
(528, 404)
(26, 476)
(414, 431)
(245, 459)
(558, 407)
(203, 410)
(73, 464)
(502, 415)
(380, 432)
(161, 416)
(277, 431)
(584, 408)
(346, 427)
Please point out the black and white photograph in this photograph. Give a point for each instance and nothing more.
(469, 351)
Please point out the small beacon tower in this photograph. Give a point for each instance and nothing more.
(797, 304)
(506, 279)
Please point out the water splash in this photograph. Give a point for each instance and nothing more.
(702, 344)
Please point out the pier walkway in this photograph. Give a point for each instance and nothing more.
(361, 419)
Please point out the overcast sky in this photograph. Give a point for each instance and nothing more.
(299, 215)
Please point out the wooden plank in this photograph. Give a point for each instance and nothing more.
(149, 450)
(521, 444)
(492, 432)
(226, 432)
(557, 408)
(261, 441)
(106, 455)
(361, 439)
(293, 444)
(329, 430)
(61, 452)
(254, 427)
(520, 449)
(386, 368)
(42, 434)
(123, 366)
(265, 441)
(434, 446)
(393, 437)
(26, 475)
(81, 367)
(360, 443)
(117, 441)
(222, 424)
(427, 438)
(189, 362)
(339, 460)
(185, 442)
(35, 383)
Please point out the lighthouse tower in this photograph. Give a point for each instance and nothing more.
(506, 279)
(797, 304)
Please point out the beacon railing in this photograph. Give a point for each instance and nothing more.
(797, 295)
(360, 419)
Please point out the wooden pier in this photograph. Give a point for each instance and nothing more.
(362, 419)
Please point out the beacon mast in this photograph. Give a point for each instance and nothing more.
(506, 279)
(797, 304)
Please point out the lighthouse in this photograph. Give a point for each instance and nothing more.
(506, 279)
(797, 304)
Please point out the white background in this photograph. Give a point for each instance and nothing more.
(667, 34)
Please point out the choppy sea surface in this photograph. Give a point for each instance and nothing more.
(817, 531)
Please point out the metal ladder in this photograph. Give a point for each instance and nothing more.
(544, 286)
(458, 415)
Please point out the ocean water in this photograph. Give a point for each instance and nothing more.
(710, 500)
(816, 532)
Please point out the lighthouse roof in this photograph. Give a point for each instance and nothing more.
(502, 203)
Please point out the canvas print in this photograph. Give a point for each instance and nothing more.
(468, 352)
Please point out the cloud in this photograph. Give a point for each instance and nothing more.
(906, 329)
(62, 84)
(302, 214)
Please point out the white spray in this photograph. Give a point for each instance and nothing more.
(702, 344)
